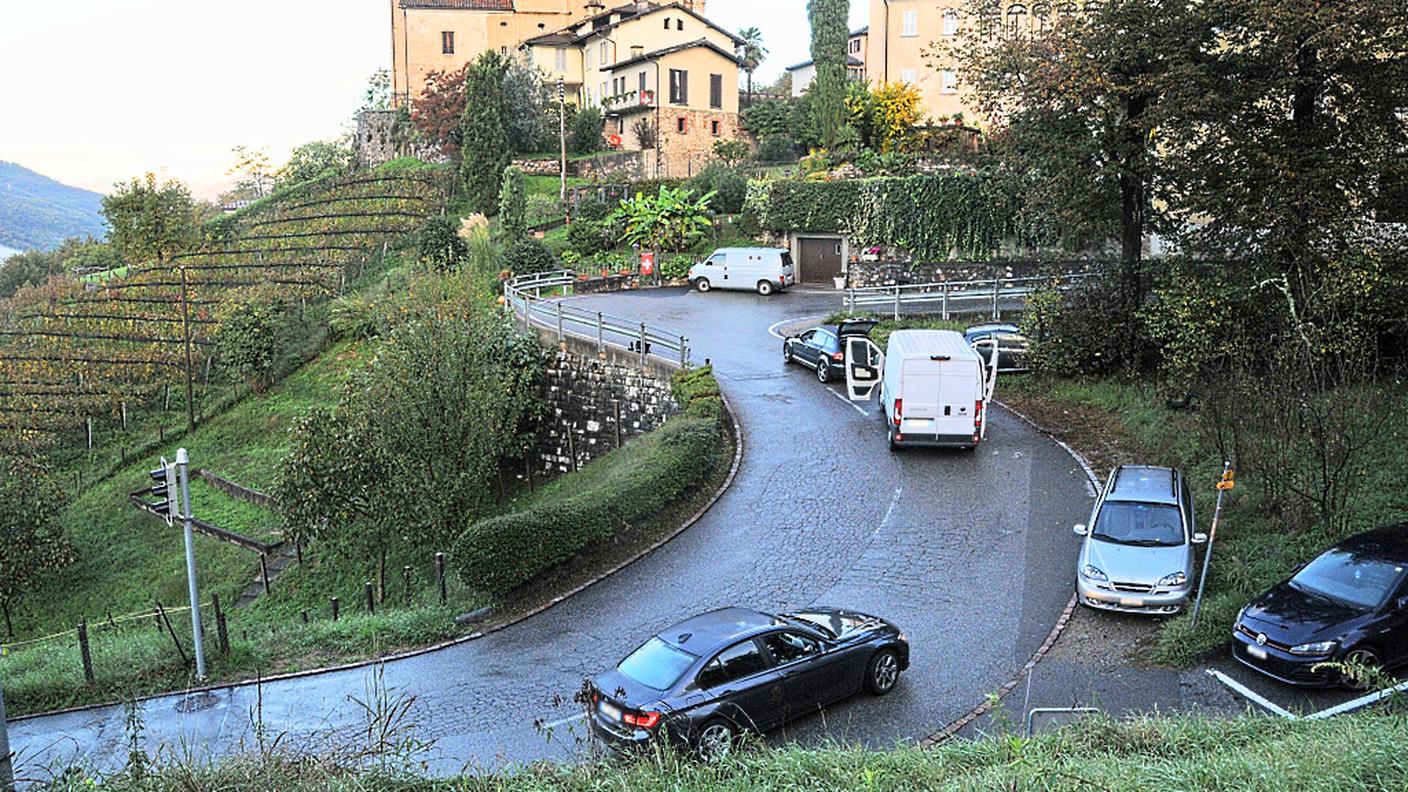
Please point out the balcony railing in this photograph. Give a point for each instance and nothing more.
(630, 99)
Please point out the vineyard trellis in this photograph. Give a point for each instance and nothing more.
(75, 354)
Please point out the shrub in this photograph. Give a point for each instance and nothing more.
(530, 255)
(247, 334)
(588, 237)
(513, 206)
(587, 129)
(730, 188)
(777, 148)
(499, 554)
(676, 267)
(439, 243)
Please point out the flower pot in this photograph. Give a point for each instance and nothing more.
(840, 281)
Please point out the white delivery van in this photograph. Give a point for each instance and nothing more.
(934, 388)
(764, 270)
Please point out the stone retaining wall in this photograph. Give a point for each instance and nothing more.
(596, 406)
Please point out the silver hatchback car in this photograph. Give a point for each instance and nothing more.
(1137, 553)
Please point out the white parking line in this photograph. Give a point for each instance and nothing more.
(1251, 695)
(1354, 704)
(856, 405)
(772, 331)
(565, 721)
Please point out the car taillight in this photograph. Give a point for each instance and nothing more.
(642, 720)
(978, 414)
(838, 356)
(899, 407)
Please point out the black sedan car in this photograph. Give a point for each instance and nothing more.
(702, 682)
(1011, 345)
(1348, 606)
(820, 348)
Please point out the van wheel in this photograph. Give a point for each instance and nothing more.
(764, 287)
(702, 284)
(890, 435)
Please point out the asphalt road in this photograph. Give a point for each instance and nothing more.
(970, 553)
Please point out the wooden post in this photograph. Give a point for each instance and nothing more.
(616, 412)
(186, 342)
(334, 608)
(90, 432)
(303, 614)
(298, 552)
(264, 570)
(371, 598)
(124, 416)
(406, 580)
(222, 635)
(440, 575)
(84, 651)
(166, 620)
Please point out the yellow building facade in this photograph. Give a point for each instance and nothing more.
(907, 37)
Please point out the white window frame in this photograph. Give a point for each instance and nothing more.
(948, 81)
(910, 25)
(950, 22)
(605, 54)
(908, 76)
(560, 60)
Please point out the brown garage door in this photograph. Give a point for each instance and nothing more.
(819, 259)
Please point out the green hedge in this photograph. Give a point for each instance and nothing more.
(929, 215)
(607, 498)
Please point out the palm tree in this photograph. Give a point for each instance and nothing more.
(751, 51)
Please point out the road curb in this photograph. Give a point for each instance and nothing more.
(735, 428)
(957, 725)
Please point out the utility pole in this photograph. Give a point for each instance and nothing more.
(186, 342)
(183, 469)
(7, 768)
(562, 139)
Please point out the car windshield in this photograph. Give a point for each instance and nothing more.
(656, 664)
(1144, 524)
(1358, 581)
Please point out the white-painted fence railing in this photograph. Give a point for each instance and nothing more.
(524, 297)
(973, 296)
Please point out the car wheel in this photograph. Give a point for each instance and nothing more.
(702, 284)
(786, 352)
(1365, 657)
(882, 673)
(716, 740)
(764, 287)
(823, 371)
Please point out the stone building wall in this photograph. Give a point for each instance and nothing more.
(595, 407)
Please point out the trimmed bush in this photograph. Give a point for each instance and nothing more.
(528, 256)
(729, 186)
(499, 554)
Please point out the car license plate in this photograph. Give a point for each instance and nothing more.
(1130, 602)
(610, 710)
(861, 375)
(1257, 652)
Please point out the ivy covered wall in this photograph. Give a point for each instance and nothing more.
(930, 215)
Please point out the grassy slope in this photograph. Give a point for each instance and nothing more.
(1115, 422)
(1359, 752)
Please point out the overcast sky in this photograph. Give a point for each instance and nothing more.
(98, 91)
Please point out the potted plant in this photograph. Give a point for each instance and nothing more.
(840, 281)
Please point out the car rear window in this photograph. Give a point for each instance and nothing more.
(656, 664)
(1357, 580)
(1134, 523)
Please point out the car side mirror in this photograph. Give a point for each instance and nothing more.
(1080, 529)
(1200, 538)
(1403, 602)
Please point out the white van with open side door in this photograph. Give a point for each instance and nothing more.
(934, 388)
(764, 270)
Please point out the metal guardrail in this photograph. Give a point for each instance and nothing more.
(956, 296)
(523, 297)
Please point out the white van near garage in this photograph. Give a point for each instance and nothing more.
(934, 388)
(764, 270)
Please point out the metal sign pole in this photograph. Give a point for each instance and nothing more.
(183, 465)
(7, 768)
(1227, 482)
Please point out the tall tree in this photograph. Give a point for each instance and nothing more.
(484, 149)
(150, 221)
(1074, 110)
(513, 206)
(751, 52)
(254, 170)
(31, 542)
(439, 110)
(830, 32)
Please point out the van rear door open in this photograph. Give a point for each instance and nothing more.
(934, 387)
(865, 365)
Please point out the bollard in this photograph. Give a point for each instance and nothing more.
(440, 575)
(897, 303)
(371, 598)
(303, 614)
(84, 651)
(334, 608)
(406, 580)
(944, 311)
(996, 284)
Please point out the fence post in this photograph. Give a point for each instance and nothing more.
(371, 598)
(222, 638)
(642, 344)
(944, 289)
(406, 581)
(897, 302)
(440, 575)
(850, 301)
(560, 338)
(996, 284)
(264, 570)
(600, 336)
(84, 651)
(335, 603)
(684, 352)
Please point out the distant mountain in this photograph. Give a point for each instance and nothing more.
(38, 212)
